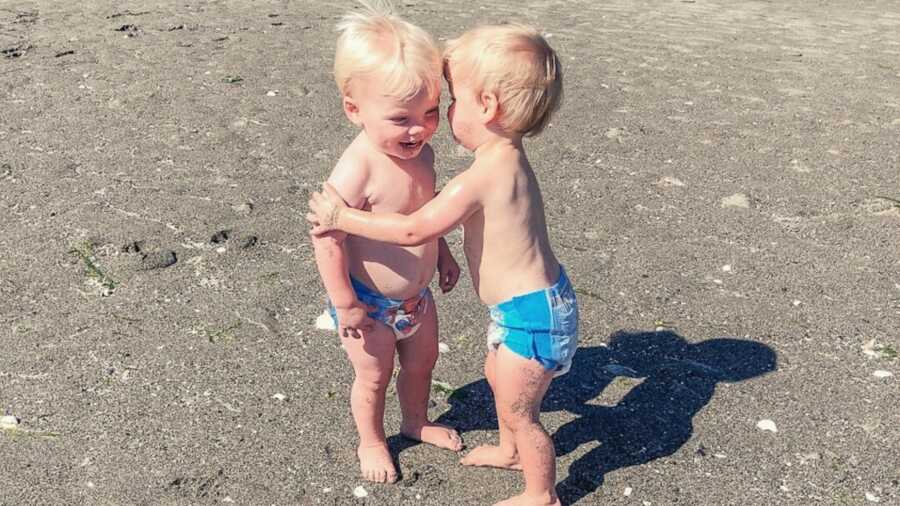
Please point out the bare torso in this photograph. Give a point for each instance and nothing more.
(506, 243)
(397, 186)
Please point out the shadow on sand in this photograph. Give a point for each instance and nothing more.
(674, 379)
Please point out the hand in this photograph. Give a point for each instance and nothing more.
(354, 321)
(448, 270)
(326, 208)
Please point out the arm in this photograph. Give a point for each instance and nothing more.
(456, 202)
(331, 260)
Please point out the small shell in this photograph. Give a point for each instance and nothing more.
(768, 425)
(8, 422)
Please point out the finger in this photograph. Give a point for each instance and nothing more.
(312, 218)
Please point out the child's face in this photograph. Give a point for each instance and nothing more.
(463, 111)
(398, 128)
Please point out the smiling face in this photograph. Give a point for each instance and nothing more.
(397, 127)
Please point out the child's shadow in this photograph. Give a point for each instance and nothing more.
(654, 419)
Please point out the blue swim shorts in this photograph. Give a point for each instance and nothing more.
(542, 325)
(403, 316)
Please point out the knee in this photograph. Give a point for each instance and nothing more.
(376, 381)
(418, 368)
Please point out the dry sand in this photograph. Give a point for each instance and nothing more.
(718, 184)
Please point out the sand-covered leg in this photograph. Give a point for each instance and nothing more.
(418, 354)
(373, 362)
(520, 386)
(504, 455)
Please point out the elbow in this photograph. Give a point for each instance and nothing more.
(413, 236)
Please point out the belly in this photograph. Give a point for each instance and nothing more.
(394, 271)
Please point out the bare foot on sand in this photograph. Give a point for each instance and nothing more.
(434, 434)
(526, 500)
(376, 464)
(491, 456)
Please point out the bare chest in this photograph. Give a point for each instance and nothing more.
(400, 189)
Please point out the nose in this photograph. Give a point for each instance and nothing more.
(416, 130)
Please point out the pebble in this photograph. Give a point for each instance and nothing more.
(249, 241)
(272, 93)
(872, 497)
(738, 200)
(768, 425)
(243, 209)
(360, 492)
(8, 422)
(158, 260)
(882, 374)
(220, 236)
(670, 181)
(726, 268)
(628, 491)
(279, 397)
(443, 348)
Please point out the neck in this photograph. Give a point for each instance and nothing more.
(497, 140)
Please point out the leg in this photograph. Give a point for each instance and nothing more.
(521, 385)
(418, 354)
(505, 455)
(373, 363)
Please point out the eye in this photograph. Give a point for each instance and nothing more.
(432, 112)
(399, 119)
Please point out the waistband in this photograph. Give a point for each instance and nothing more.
(363, 290)
(562, 283)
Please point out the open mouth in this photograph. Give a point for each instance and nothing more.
(411, 145)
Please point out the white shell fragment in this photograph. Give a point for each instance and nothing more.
(325, 321)
(360, 492)
(443, 348)
(279, 397)
(768, 425)
(627, 492)
(872, 497)
(882, 374)
(8, 422)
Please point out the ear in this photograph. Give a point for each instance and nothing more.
(351, 109)
(490, 107)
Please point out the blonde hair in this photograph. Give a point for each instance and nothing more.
(377, 42)
(517, 64)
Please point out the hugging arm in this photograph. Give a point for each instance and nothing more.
(456, 202)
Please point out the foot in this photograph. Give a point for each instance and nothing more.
(434, 434)
(528, 500)
(376, 464)
(491, 456)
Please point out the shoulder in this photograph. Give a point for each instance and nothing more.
(351, 174)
